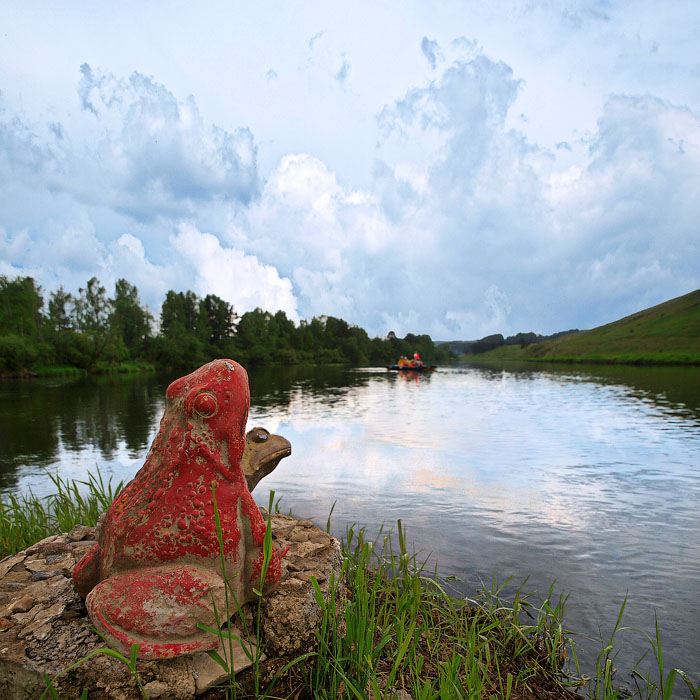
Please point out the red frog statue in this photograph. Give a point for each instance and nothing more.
(156, 567)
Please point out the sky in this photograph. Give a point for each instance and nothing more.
(453, 168)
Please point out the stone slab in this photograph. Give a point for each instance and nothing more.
(44, 625)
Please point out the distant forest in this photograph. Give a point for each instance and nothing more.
(95, 332)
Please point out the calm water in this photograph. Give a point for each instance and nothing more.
(590, 478)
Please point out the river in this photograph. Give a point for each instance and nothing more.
(589, 477)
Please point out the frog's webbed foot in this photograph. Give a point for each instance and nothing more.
(158, 608)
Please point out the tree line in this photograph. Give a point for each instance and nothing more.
(93, 331)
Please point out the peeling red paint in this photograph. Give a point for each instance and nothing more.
(165, 517)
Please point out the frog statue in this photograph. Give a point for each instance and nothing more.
(156, 570)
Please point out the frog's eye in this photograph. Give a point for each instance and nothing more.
(205, 404)
(259, 434)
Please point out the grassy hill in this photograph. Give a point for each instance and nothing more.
(665, 334)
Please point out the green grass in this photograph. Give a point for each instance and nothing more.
(396, 627)
(99, 368)
(26, 519)
(58, 371)
(667, 334)
(123, 367)
(504, 352)
(401, 630)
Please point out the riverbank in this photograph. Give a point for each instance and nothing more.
(666, 334)
(514, 353)
(71, 371)
(400, 630)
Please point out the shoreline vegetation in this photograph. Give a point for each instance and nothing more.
(400, 632)
(518, 355)
(94, 333)
(665, 334)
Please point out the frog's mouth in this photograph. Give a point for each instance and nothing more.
(263, 452)
(276, 449)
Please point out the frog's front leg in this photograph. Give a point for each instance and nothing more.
(159, 609)
(86, 573)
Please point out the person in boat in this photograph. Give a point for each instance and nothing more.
(417, 362)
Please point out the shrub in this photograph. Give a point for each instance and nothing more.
(17, 353)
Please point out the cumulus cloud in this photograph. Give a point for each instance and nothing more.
(489, 317)
(160, 156)
(466, 227)
(342, 75)
(240, 279)
(473, 93)
(325, 237)
(316, 37)
(563, 241)
(67, 252)
(478, 182)
(431, 50)
(627, 222)
(27, 152)
(153, 163)
(147, 154)
(12, 263)
(145, 163)
(325, 61)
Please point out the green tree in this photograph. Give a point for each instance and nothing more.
(487, 343)
(310, 338)
(20, 307)
(21, 322)
(219, 319)
(92, 308)
(60, 302)
(129, 321)
(287, 331)
(286, 338)
(180, 350)
(179, 310)
(336, 331)
(89, 328)
(357, 347)
(91, 317)
(180, 344)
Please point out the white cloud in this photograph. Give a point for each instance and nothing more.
(304, 217)
(133, 245)
(67, 254)
(238, 278)
(10, 254)
(469, 220)
(431, 50)
(342, 75)
(332, 241)
(162, 156)
(561, 242)
(316, 37)
(146, 153)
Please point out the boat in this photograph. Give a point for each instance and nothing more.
(412, 368)
(415, 365)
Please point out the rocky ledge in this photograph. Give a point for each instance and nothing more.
(44, 626)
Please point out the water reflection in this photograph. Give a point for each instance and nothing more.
(43, 420)
(587, 476)
(673, 389)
